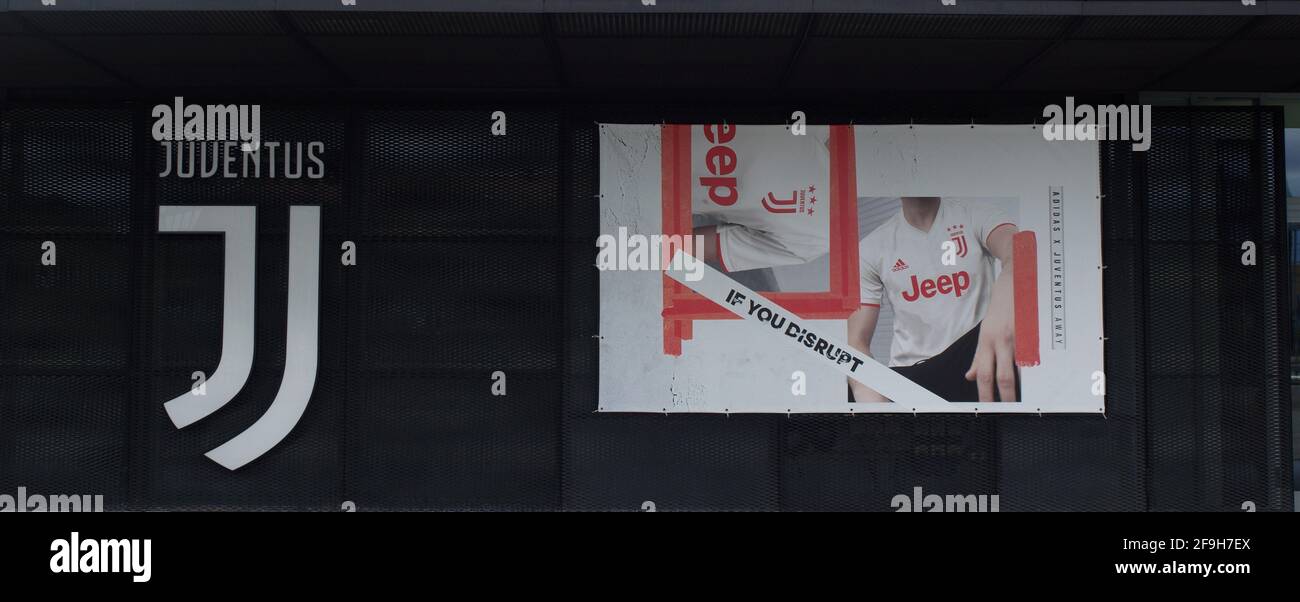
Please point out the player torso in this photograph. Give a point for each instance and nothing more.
(934, 304)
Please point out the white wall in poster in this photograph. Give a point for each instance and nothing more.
(733, 366)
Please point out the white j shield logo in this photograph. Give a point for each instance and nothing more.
(239, 225)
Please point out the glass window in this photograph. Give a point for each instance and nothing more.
(1294, 230)
(1292, 162)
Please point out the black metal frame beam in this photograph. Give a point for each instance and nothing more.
(960, 7)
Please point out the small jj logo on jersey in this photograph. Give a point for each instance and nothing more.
(799, 201)
(239, 226)
(957, 235)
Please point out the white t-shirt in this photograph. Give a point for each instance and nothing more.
(934, 304)
(769, 188)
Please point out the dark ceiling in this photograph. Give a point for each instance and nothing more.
(594, 51)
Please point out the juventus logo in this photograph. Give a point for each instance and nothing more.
(239, 226)
(775, 205)
(957, 235)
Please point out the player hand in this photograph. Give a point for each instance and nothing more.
(995, 354)
(865, 394)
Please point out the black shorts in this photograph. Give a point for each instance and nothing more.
(945, 374)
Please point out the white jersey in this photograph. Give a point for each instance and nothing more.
(934, 304)
(769, 188)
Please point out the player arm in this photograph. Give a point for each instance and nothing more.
(999, 243)
(994, 365)
(862, 327)
(736, 247)
(712, 251)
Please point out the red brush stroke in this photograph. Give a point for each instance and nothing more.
(1024, 256)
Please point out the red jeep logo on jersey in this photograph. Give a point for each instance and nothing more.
(956, 283)
(720, 161)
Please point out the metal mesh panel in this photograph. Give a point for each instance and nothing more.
(73, 315)
(65, 177)
(63, 435)
(474, 255)
(860, 463)
(443, 441)
(459, 278)
(69, 171)
(1217, 379)
(441, 173)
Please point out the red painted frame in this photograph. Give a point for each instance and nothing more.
(682, 306)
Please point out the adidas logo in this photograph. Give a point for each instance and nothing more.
(899, 266)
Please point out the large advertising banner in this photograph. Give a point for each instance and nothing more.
(849, 269)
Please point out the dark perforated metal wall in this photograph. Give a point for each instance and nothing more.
(475, 255)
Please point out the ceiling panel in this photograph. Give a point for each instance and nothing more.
(9, 24)
(1279, 27)
(31, 62)
(940, 26)
(1159, 27)
(1107, 65)
(1242, 65)
(164, 61)
(426, 24)
(154, 22)
(872, 64)
(658, 50)
(430, 62)
(678, 24)
(675, 63)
